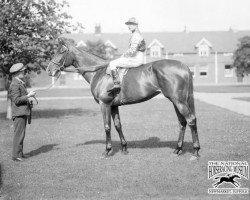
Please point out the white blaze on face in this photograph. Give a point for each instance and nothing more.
(54, 73)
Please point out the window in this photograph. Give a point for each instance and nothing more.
(109, 52)
(227, 54)
(203, 47)
(155, 48)
(155, 51)
(192, 69)
(228, 71)
(203, 71)
(204, 50)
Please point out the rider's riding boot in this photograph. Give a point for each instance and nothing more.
(115, 76)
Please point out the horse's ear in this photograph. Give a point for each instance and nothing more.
(61, 41)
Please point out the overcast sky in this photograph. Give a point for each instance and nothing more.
(162, 15)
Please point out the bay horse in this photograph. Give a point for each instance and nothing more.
(170, 77)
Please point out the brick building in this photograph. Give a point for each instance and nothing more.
(207, 53)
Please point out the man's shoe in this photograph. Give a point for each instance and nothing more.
(17, 159)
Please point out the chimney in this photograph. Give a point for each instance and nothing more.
(186, 29)
(97, 29)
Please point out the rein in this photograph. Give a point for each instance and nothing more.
(45, 88)
(60, 68)
(81, 70)
(50, 85)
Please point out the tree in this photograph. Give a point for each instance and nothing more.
(28, 30)
(97, 47)
(242, 57)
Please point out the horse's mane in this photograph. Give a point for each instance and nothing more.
(100, 62)
(92, 55)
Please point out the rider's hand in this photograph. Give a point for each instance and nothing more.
(31, 94)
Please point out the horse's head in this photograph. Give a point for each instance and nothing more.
(236, 176)
(60, 60)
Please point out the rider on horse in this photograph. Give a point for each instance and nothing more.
(133, 57)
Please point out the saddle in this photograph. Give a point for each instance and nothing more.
(121, 72)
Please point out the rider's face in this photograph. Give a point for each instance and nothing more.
(132, 27)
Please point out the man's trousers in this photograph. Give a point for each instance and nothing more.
(19, 134)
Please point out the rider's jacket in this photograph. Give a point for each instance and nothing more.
(136, 44)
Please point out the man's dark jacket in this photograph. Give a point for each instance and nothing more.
(19, 99)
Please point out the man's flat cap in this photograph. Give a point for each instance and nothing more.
(17, 67)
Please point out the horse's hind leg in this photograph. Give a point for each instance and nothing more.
(106, 113)
(182, 125)
(191, 120)
(117, 122)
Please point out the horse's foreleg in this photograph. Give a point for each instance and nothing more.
(106, 113)
(196, 143)
(236, 183)
(117, 122)
(182, 125)
(191, 120)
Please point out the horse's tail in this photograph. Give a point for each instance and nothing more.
(190, 99)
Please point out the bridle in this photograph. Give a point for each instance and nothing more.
(60, 67)
(60, 64)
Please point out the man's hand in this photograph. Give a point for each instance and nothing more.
(31, 94)
(30, 99)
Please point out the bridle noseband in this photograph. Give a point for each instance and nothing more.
(60, 65)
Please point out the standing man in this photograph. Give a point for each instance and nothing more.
(20, 105)
(133, 57)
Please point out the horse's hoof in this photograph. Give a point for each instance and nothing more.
(107, 153)
(193, 158)
(177, 152)
(180, 153)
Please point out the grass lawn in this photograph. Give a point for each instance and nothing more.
(78, 92)
(66, 139)
(223, 88)
(243, 98)
(61, 92)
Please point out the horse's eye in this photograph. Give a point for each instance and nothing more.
(63, 49)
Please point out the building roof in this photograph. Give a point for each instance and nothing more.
(173, 42)
(155, 42)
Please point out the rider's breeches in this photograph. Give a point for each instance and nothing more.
(127, 62)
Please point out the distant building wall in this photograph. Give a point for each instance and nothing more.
(207, 54)
(204, 68)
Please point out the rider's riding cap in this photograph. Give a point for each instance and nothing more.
(17, 68)
(132, 20)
